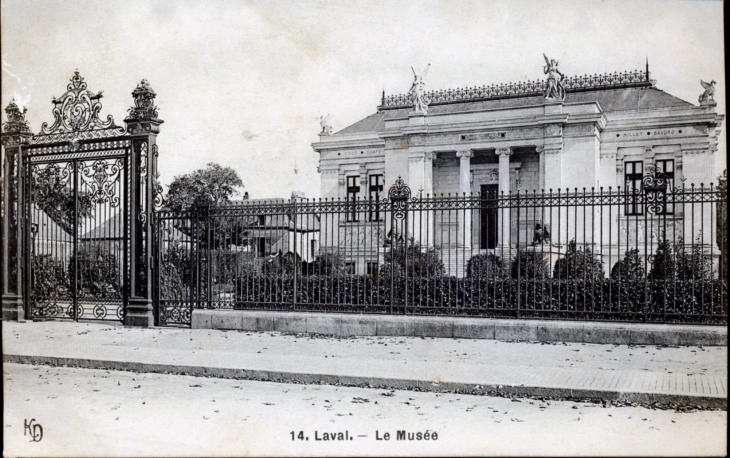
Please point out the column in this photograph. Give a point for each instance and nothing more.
(557, 216)
(463, 217)
(504, 225)
(541, 167)
(464, 169)
(428, 173)
(143, 127)
(16, 134)
(429, 217)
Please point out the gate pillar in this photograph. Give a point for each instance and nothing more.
(142, 127)
(16, 133)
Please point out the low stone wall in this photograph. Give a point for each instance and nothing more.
(464, 328)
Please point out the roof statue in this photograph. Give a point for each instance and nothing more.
(416, 94)
(709, 94)
(554, 89)
(324, 121)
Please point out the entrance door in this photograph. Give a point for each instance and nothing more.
(488, 216)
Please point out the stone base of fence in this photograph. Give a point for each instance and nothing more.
(345, 325)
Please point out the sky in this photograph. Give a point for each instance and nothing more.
(243, 83)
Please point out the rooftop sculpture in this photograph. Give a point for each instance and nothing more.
(416, 94)
(709, 94)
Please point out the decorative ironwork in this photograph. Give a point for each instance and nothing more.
(78, 110)
(655, 184)
(144, 108)
(565, 254)
(399, 195)
(16, 123)
(636, 78)
(101, 178)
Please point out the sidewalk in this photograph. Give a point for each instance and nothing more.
(693, 376)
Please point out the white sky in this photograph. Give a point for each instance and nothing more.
(243, 83)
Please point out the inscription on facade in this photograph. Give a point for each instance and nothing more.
(361, 236)
(664, 132)
(483, 136)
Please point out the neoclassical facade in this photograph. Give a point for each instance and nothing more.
(559, 133)
(514, 137)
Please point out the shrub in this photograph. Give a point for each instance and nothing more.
(49, 279)
(176, 273)
(630, 268)
(485, 266)
(579, 264)
(329, 264)
(419, 260)
(98, 273)
(530, 264)
(678, 262)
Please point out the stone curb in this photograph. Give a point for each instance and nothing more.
(341, 324)
(699, 401)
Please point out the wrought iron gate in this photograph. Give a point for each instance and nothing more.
(78, 232)
(80, 207)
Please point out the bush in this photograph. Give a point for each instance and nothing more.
(329, 264)
(485, 266)
(176, 273)
(419, 260)
(678, 262)
(98, 273)
(50, 280)
(579, 264)
(530, 264)
(630, 268)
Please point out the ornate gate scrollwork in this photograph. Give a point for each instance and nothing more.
(655, 188)
(399, 195)
(100, 177)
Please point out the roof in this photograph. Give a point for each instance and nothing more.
(112, 228)
(610, 100)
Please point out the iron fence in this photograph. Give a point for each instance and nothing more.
(652, 254)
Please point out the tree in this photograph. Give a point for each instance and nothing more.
(213, 185)
(54, 196)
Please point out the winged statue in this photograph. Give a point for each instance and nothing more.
(709, 94)
(324, 121)
(554, 89)
(416, 92)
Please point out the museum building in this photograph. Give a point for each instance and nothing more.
(588, 132)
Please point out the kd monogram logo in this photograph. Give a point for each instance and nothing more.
(34, 430)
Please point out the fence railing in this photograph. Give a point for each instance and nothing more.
(650, 256)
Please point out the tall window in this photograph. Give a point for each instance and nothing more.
(371, 268)
(375, 188)
(352, 190)
(634, 173)
(666, 167)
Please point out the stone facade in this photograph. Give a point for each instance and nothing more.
(520, 141)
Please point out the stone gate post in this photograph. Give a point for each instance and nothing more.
(143, 127)
(16, 133)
